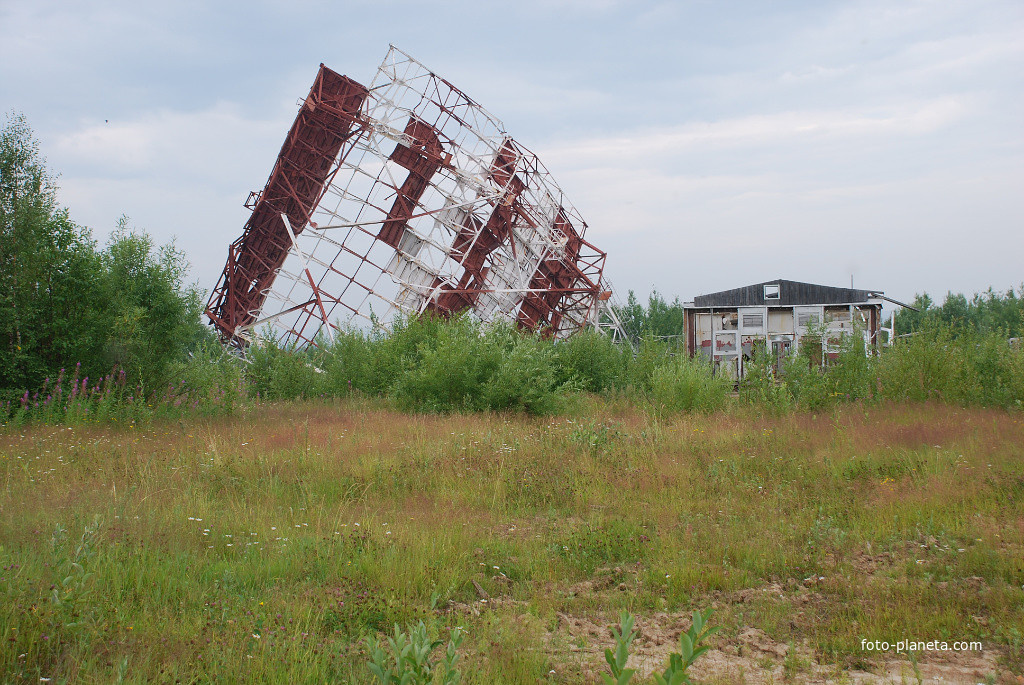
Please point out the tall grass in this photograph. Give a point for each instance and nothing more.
(265, 546)
(967, 369)
(431, 365)
(685, 384)
(209, 384)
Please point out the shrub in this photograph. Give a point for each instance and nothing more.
(640, 367)
(760, 387)
(924, 367)
(451, 368)
(809, 383)
(461, 365)
(525, 380)
(591, 361)
(971, 367)
(684, 384)
(211, 378)
(277, 372)
(348, 361)
(850, 372)
(400, 348)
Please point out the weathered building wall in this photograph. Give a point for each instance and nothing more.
(777, 317)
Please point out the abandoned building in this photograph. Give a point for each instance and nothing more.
(726, 327)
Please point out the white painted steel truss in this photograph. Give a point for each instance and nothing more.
(382, 244)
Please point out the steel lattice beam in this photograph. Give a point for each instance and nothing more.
(402, 198)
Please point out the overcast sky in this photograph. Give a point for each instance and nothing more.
(708, 145)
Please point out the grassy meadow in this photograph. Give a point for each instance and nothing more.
(170, 512)
(265, 546)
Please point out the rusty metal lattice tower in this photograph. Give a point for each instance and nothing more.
(406, 197)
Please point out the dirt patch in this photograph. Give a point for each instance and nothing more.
(750, 656)
(869, 564)
(618, 579)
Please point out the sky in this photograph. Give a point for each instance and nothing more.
(708, 145)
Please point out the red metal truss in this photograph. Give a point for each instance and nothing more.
(401, 198)
(422, 157)
(327, 118)
(475, 242)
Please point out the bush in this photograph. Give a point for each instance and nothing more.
(685, 384)
(640, 367)
(525, 380)
(463, 366)
(971, 367)
(810, 385)
(924, 367)
(591, 361)
(400, 348)
(450, 370)
(210, 378)
(276, 372)
(348, 361)
(761, 388)
(998, 367)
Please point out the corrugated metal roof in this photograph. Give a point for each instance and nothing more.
(790, 293)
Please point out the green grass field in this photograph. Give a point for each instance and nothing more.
(265, 546)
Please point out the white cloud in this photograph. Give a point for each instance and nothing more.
(127, 146)
(815, 74)
(706, 147)
(645, 147)
(173, 173)
(209, 144)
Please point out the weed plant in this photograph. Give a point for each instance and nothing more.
(679, 663)
(209, 384)
(410, 660)
(623, 636)
(690, 649)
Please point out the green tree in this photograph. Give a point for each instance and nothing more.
(152, 315)
(49, 285)
(64, 302)
(988, 312)
(633, 317)
(664, 319)
(660, 319)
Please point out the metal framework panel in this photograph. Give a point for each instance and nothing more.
(402, 198)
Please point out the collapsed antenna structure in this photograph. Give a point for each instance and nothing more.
(403, 198)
